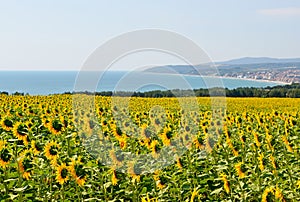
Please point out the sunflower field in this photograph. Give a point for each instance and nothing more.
(248, 152)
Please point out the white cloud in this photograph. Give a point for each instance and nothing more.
(284, 12)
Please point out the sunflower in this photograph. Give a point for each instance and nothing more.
(261, 162)
(29, 124)
(114, 178)
(256, 139)
(226, 183)
(5, 155)
(298, 184)
(148, 199)
(273, 161)
(133, 171)
(51, 151)
(55, 126)
(160, 185)
(156, 175)
(209, 143)
(25, 164)
(62, 173)
(198, 142)
(194, 194)
(239, 169)
(36, 147)
(77, 171)
(154, 148)
(278, 193)
(165, 137)
(117, 158)
(249, 129)
(20, 130)
(179, 163)
(266, 193)
(7, 123)
(2, 144)
(122, 142)
(286, 142)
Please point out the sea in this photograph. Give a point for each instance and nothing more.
(55, 82)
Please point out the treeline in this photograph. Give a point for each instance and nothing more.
(291, 91)
(15, 93)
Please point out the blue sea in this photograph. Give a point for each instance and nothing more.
(52, 82)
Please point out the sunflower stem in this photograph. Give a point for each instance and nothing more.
(5, 185)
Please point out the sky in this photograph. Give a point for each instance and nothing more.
(60, 35)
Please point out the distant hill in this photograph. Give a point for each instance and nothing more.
(261, 68)
(259, 60)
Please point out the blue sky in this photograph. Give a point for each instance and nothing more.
(60, 35)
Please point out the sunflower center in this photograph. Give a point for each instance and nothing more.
(5, 155)
(38, 147)
(53, 150)
(27, 164)
(22, 130)
(8, 123)
(64, 173)
(56, 125)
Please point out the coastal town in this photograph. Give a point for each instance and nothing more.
(284, 75)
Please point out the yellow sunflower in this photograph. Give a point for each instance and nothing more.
(20, 131)
(194, 194)
(7, 123)
(226, 183)
(36, 147)
(261, 162)
(122, 142)
(117, 159)
(62, 173)
(179, 163)
(55, 127)
(160, 185)
(25, 164)
(77, 171)
(266, 193)
(148, 199)
(132, 171)
(239, 170)
(165, 137)
(154, 148)
(278, 193)
(114, 178)
(51, 151)
(5, 155)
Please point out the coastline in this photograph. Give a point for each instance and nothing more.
(228, 77)
(248, 79)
